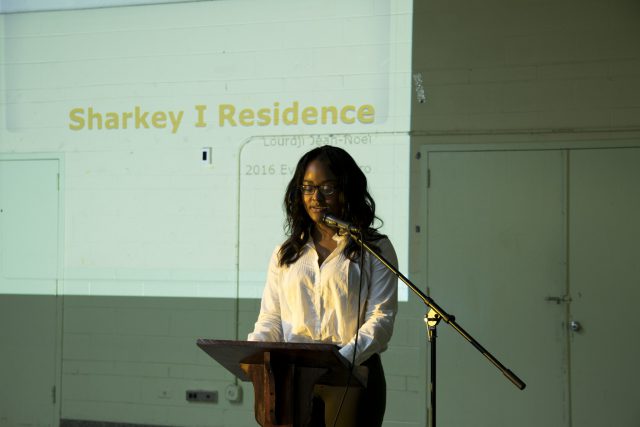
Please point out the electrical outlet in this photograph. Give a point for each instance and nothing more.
(202, 396)
(233, 393)
(205, 156)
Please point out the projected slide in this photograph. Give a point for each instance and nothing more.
(124, 101)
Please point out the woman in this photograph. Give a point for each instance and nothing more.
(314, 279)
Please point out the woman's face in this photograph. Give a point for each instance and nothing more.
(320, 192)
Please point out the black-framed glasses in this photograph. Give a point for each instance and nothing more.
(324, 189)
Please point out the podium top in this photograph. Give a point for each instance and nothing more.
(231, 354)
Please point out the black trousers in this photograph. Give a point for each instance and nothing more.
(373, 400)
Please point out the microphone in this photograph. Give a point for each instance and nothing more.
(332, 221)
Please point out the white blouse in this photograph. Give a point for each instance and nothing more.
(307, 302)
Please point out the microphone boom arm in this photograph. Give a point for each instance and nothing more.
(449, 319)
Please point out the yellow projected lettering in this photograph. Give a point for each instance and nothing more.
(366, 114)
(310, 115)
(264, 118)
(226, 113)
(343, 114)
(246, 117)
(292, 115)
(77, 119)
(138, 119)
(200, 109)
(229, 115)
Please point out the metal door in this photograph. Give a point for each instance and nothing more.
(28, 292)
(604, 280)
(496, 254)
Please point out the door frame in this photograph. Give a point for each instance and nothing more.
(57, 379)
(423, 145)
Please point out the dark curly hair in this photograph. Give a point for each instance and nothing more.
(358, 206)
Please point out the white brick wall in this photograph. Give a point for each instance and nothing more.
(142, 216)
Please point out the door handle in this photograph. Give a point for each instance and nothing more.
(558, 300)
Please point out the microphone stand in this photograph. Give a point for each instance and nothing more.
(433, 317)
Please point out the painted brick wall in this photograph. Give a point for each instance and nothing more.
(530, 73)
(527, 65)
(131, 360)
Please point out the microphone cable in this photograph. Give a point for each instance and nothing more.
(355, 348)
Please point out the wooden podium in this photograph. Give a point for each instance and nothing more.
(283, 375)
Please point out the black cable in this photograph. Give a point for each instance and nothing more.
(355, 348)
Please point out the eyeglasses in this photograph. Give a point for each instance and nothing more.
(324, 189)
